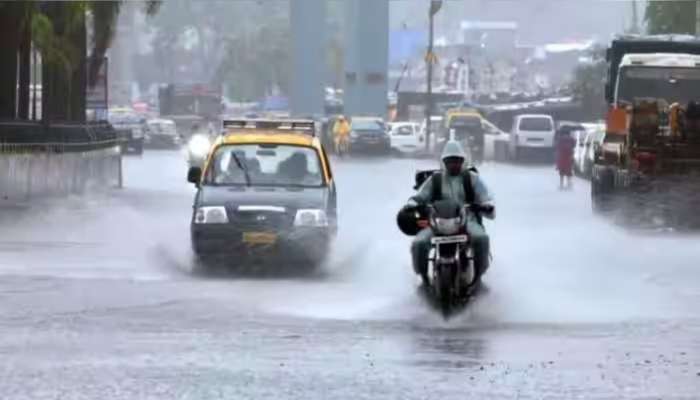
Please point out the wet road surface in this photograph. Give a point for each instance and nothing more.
(97, 301)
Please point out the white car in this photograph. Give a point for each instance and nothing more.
(161, 133)
(531, 132)
(495, 142)
(406, 138)
(594, 139)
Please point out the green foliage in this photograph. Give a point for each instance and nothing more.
(242, 43)
(588, 86)
(663, 17)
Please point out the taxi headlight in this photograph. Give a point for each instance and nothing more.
(211, 215)
(199, 146)
(310, 217)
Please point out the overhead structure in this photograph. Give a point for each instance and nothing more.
(366, 57)
(308, 22)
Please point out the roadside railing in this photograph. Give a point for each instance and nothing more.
(59, 159)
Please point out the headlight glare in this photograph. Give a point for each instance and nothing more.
(199, 145)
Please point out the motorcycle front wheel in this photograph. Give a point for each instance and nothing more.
(445, 290)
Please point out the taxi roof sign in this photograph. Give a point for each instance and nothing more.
(284, 125)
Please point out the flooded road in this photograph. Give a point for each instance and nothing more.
(97, 301)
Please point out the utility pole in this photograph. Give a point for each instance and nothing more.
(435, 6)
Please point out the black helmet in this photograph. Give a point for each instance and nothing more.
(407, 221)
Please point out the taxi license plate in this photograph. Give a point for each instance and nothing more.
(259, 238)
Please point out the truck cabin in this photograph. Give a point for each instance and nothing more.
(644, 45)
(674, 78)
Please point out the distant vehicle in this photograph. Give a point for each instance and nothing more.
(191, 104)
(531, 132)
(265, 194)
(644, 156)
(642, 66)
(161, 133)
(406, 138)
(466, 127)
(495, 142)
(595, 135)
(368, 134)
(131, 126)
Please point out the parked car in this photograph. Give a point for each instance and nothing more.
(368, 134)
(530, 133)
(406, 138)
(495, 142)
(161, 133)
(131, 126)
(593, 141)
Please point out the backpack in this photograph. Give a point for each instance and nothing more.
(469, 195)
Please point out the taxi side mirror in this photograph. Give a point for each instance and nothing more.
(194, 175)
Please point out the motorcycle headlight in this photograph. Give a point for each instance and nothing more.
(310, 217)
(447, 226)
(211, 215)
(199, 146)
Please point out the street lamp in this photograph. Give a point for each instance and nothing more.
(430, 58)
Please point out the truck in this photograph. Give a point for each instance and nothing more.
(190, 105)
(647, 158)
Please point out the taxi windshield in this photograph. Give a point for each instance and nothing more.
(265, 165)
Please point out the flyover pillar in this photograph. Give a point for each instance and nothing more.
(366, 57)
(308, 23)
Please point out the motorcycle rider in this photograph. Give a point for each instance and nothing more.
(341, 132)
(463, 185)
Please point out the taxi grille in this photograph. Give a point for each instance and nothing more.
(261, 219)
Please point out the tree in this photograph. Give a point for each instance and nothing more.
(588, 85)
(199, 31)
(664, 17)
(58, 31)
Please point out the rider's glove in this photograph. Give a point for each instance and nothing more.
(482, 208)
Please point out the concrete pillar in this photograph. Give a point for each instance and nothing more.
(366, 57)
(308, 22)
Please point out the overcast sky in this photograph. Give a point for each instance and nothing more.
(539, 21)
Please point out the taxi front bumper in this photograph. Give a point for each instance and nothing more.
(298, 244)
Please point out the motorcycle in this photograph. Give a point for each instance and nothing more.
(451, 279)
(451, 271)
(342, 145)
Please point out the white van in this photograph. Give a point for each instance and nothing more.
(531, 132)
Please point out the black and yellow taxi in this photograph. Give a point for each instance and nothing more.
(265, 193)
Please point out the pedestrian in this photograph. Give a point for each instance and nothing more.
(565, 145)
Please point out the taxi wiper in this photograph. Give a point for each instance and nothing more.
(242, 167)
